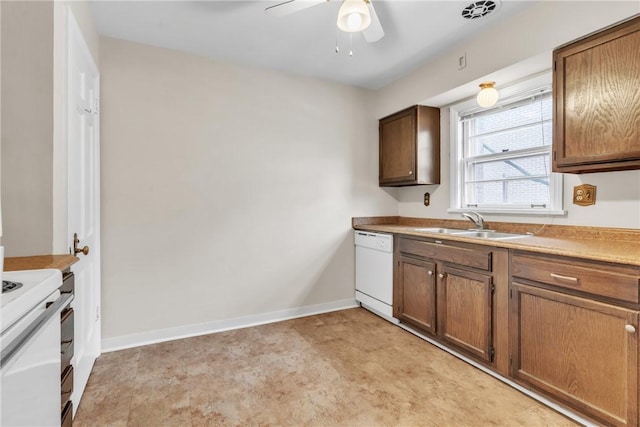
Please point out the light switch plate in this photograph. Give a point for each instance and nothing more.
(427, 199)
(462, 61)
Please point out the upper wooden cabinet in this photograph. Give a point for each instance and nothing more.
(410, 147)
(597, 101)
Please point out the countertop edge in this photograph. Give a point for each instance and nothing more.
(590, 249)
(37, 262)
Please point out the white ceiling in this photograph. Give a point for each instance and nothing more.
(302, 43)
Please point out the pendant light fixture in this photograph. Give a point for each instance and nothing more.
(488, 95)
(354, 16)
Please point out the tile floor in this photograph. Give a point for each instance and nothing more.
(346, 368)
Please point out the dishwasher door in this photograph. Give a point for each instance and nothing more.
(374, 272)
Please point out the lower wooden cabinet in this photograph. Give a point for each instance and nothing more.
(446, 290)
(581, 352)
(566, 328)
(67, 327)
(465, 311)
(415, 294)
(66, 419)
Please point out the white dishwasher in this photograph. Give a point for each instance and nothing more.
(374, 273)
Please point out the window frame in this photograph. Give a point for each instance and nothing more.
(512, 94)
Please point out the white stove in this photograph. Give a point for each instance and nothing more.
(36, 286)
(30, 348)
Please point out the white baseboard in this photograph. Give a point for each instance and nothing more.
(170, 334)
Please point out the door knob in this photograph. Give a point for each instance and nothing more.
(76, 250)
(629, 328)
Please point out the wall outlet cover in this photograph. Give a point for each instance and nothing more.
(584, 195)
(427, 199)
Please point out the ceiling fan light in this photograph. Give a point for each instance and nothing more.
(488, 95)
(354, 16)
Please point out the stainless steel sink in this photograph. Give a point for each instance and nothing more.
(480, 234)
(439, 230)
(491, 235)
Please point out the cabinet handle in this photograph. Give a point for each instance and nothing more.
(441, 276)
(629, 328)
(566, 278)
(430, 273)
(410, 172)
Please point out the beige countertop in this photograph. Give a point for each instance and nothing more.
(61, 262)
(595, 243)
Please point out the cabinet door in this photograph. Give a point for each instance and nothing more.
(465, 306)
(398, 147)
(597, 103)
(415, 299)
(582, 352)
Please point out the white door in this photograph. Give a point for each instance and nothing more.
(84, 202)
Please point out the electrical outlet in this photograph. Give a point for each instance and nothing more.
(584, 195)
(462, 61)
(427, 199)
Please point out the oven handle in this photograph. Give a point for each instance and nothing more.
(10, 350)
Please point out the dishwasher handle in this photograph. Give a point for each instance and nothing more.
(11, 350)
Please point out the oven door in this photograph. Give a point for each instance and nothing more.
(30, 366)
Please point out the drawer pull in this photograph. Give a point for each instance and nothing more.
(565, 278)
(630, 328)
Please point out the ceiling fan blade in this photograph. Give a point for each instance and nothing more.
(374, 32)
(291, 6)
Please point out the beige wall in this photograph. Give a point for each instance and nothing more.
(27, 118)
(227, 191)
(503, 54)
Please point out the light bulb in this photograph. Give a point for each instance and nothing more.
(488, 95)
(354, 21)
(353, 16)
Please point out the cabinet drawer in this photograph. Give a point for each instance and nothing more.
(599, 279)
(66, 339)
(67, 415)
(477, 258)
(67, 387)
(68, 283)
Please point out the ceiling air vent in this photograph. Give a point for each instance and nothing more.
(479, 9)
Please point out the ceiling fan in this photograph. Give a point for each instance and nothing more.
(354, 16)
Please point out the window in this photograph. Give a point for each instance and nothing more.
(501, 157)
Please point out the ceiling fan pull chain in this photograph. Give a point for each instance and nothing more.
(337, 48)
(350, 44)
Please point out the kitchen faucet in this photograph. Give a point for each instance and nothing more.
(476, 218)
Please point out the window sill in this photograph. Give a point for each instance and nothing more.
(532, 212)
